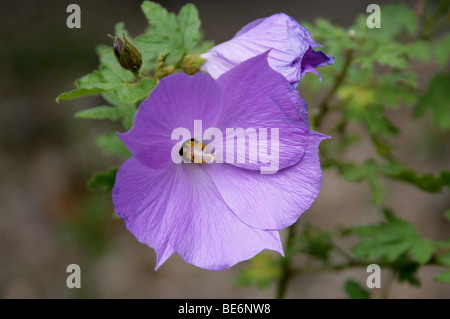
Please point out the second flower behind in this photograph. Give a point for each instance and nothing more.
(291, 46)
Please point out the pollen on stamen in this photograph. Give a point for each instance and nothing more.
(192, 151)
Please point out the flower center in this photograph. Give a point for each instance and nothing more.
(192, 151)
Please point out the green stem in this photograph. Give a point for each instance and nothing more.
(328, 268)
(137, 75)
(420, 7)
(339, 128)
(345, 254)
(324, 106)
(286, 270)
(388, 285)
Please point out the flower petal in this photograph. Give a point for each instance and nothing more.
(175, 103)
(141, 198)
(280, 33)
(257, 97)
(213, 237)
(312, 60)
(271, 201)
(179, 209)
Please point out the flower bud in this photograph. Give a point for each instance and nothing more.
(128, 56)
(192, 63)
(162, 69)
(351, 34)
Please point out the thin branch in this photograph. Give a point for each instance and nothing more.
(350, 258)
(387, 286)
(286, 270)
(324, 106)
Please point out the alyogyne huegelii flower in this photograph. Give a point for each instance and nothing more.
(291, 46)
(215, 214)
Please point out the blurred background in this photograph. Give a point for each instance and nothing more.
(48, 217)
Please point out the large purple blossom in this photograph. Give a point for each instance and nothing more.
(216, 215)
(291, 46)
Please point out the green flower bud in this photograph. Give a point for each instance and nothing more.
(162, 69)
(128, 56)
(192, 63)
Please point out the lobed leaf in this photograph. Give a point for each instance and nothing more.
(443, 277)
(437, 100)
(391, 240)
(103, 180)
(101, 112)
(112, 144)
(168, 32)
(355, 291)
(74, 94)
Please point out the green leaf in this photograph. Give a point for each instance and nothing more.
(112, 144)
(396, 88)
(444, 259)
(350, 171)
(104, 79)
(189, 24)
(128, 111)
(368, 171)
(315, 243)
(371, 174)
(396, 95)
(401, 172)
(419, 50)
(355, 291)
(123, 92)
(445, 177)
(437, 100)
(103, 180)
(391, 55)
(408, 272)
(398, 18)
(391, 240)
(128, 120)
(131, 93)
(157, 15)
(101, 112)
(443, 277)
(169, 33)
(377, 122)
(422, 251)
(74, 94)
(119, 29)
(442, 51)
(447, 214)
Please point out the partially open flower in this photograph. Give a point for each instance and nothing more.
(291, 46)
(128, 56)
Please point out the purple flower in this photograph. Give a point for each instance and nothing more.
(216, 215)
(291, 48)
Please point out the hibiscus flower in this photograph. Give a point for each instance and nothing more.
(215, 214)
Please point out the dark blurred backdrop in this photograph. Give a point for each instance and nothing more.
(48, 218)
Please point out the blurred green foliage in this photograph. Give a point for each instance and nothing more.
(376, 70)
(355, 291)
